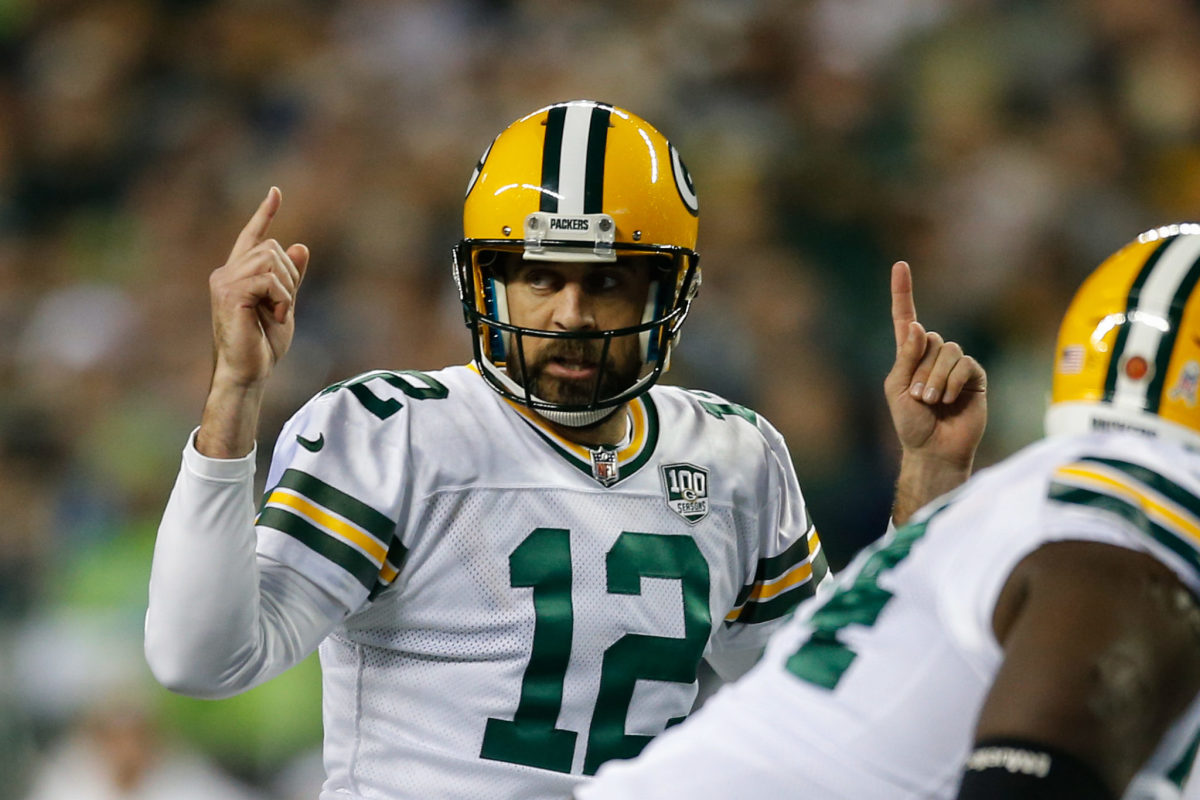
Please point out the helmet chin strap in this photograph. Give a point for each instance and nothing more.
(572, 419)
(578, 419)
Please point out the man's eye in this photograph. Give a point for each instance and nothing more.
(540, 279)
(605, 281)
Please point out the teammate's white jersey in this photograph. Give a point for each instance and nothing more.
(518, 608)
(873, 689)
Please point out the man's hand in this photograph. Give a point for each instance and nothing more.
(253, 313)
(253, 300)
(938, 400)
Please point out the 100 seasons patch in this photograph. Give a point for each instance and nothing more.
(686, 486)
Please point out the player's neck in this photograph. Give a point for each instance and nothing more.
(613, 430)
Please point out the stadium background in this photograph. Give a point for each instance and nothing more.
(1003, 147)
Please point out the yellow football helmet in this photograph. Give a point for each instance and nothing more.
(578, 181)
(1128, 355)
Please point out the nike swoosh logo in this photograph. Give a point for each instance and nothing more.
(311, 445)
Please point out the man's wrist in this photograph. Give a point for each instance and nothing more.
(922, 479)
(216, 445)
(217, 469)
(229, 423)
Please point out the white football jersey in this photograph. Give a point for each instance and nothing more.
(873, 689)
(520, 608)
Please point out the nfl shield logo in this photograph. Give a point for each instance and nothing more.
(1185, 387)
(686, 486)
(604, 466)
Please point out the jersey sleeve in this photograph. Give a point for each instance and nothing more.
(334, 493)
(1124, 502)
(1085, 498)
(789, 566)
(221, 619)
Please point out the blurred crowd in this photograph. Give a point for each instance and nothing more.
(1003, 147)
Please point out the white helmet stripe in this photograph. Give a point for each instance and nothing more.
(1152, 308)
(573, 163)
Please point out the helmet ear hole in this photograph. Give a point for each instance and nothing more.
(661, 266)
(486, 259)
(496, 264)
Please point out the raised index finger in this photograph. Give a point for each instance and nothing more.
(256, 229)
(904, 310)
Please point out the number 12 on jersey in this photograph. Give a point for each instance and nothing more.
(543, 561)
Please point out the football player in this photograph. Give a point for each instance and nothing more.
(512, 569)
(1034, 634)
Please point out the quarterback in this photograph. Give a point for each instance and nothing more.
(1034, 634)
(512, 569)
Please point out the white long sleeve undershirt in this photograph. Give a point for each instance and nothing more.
(221, 618)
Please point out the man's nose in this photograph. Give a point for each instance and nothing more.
(573, 308)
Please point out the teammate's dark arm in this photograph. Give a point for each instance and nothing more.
(1101, 654)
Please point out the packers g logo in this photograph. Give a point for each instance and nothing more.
(478, 168)
(686, 486)
(683, 183)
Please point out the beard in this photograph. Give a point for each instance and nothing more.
(620, 370)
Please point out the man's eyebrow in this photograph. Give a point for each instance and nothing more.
(640, 259)
(522, 264)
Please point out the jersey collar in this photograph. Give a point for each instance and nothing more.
(606, 464)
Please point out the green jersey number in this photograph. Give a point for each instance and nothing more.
(721, 409)
(407, 381)
(823, 659)
(543, 561)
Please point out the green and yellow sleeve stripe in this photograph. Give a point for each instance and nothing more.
(781, 582)
(340, 528)
(1156, 506)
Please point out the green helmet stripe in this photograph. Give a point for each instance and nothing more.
(593, 182)
(1135, 291)
(1162, 358)
(556, 120)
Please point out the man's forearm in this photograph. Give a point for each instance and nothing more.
(203, 581)
(223, 619)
